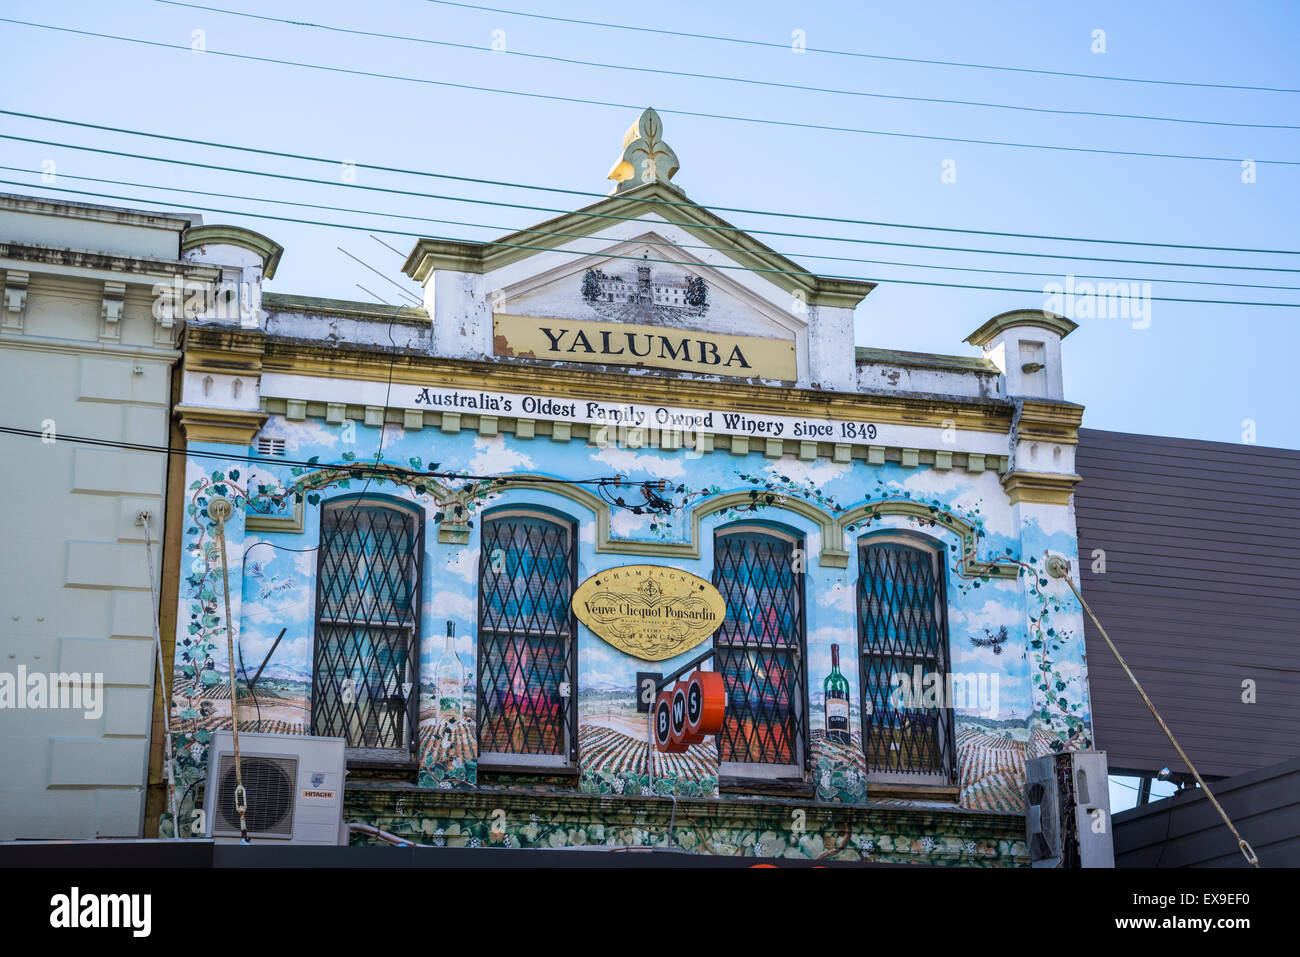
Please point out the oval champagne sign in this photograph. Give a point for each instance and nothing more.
(649, 611)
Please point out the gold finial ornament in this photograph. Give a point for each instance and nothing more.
(646, 157)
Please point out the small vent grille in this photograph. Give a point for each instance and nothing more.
(269, 446)
(269, 784)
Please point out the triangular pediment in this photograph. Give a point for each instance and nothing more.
(644, 278)
(649, 281)
(652, 206)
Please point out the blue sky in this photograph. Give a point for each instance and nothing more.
(1199, 370)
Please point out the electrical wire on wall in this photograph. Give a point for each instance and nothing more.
(221, 509)
(143, 519)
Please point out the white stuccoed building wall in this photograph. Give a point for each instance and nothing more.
(83, 353)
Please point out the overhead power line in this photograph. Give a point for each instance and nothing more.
(607, 255)
(393, 282)
(614, 217)
(752, 81)
(279, 154)
(762, 121)
(562, 235)
(858, 54)
(359, 467)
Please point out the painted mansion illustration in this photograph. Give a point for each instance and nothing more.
(646, 297)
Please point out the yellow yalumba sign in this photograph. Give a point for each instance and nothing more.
(649, 611)
(658, 347)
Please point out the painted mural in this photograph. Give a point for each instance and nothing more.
(1008, 624)
(671, 296)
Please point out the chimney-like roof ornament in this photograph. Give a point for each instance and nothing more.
(646, 157)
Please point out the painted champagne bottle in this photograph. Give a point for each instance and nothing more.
(450, 676)
(837, 702)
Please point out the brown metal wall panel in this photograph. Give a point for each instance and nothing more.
(1201, 592)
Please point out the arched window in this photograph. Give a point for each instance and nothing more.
(367, 625)
(903, 640)
(527, 663)
(761, 651)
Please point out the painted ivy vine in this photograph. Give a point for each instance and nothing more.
(1063, 708)
(199, 646)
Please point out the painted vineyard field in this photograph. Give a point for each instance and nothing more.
(992, 770)
(448, 751)
(614, 762)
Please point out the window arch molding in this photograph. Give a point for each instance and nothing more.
(541, 509)
(376, 498)
(770, 515)
(832, 554)
(967, 539)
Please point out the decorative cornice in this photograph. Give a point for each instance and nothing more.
(663, 201)
(1038, 318)
(668, 440)
(267, 248)
(224, 350)
(43, 206)
(93, 265)
(1043, 420)
(296, 358)
(1039, 488)
(223, 426)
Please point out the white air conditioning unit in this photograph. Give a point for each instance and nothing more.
(293, 784)
(1067, 800)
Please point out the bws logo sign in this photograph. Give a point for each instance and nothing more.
(689, 712)
(664, 725)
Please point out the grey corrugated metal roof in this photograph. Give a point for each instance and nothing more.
(1201, 592)
(1185, 831)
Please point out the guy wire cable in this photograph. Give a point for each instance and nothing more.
(1058, 567)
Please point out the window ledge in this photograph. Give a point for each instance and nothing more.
(913, 792)
(367, 759)
(766, 786)
(529, 770)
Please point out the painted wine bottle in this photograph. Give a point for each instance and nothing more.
(450, 676)
(837, 701)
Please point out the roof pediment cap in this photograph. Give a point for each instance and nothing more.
(218, 234)
(1037, 318)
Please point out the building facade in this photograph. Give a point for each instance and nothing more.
(633, 390)
(87, 363)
